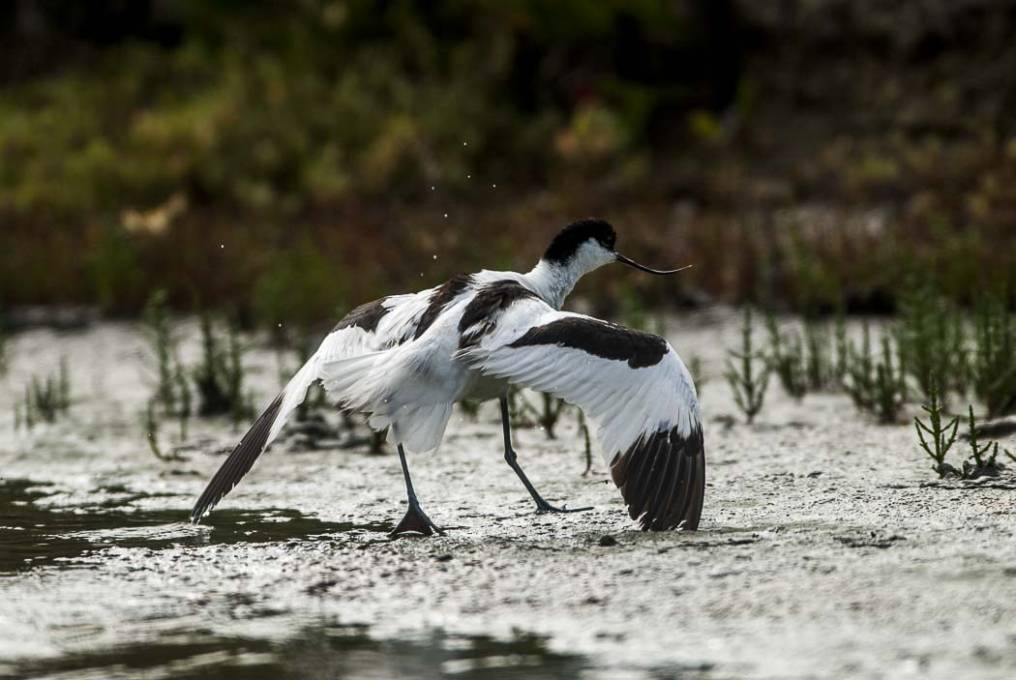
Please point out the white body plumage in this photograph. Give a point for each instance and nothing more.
(407, 359)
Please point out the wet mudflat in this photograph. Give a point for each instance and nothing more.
(828, 549)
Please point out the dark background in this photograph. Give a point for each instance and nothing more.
(286, 160)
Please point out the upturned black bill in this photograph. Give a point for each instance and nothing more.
(632, 263)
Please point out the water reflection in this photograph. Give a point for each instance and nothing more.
(321, 651)
(32, 534)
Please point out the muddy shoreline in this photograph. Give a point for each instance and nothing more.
(828, 549)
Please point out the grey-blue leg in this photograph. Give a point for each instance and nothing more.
(415, 520)
(511, 458)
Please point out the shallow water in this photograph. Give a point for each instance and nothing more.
(318, 651)
(34, 534)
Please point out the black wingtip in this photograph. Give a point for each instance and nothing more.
(662, 479)
(239, 462)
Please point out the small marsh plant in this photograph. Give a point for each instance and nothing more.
(156, 323)
(994, 357)
(219, 376)
(150, 423)
(471, 409)
(983, 461)
(547, 417)
(786, 359)
(859, 381)
(550, 414)
(841, 349)
(932, 342)
(173, 394)
(935, 437)
(819, 367)
(890, 385)
(876, 385)
(747, 372)
(45, 399)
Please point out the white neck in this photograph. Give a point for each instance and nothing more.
(553, 282)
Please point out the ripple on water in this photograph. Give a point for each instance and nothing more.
(33, 534)
(318, 651)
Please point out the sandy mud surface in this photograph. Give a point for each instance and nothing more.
(828, 549)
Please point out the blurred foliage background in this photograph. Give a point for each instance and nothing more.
(286, 160)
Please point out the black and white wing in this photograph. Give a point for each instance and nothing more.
(632, 385)
(373, 327)
(365, 329)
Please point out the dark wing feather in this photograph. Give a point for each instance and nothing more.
(662, 479)
(239, 462)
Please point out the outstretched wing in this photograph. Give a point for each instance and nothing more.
(632, 385)
(373, 327)
(367, 328)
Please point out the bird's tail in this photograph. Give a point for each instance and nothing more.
(262, 433)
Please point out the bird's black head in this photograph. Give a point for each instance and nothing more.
(571, 238)
(588, 244)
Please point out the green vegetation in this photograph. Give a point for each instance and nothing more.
(255, 152)
(931, 340)
(841, 350)
(928, 351)
(173, 394)
(819, 367)
(993, 363)
(942, 436)
(150, 424)
(876, 384)
(859, 377)
(219, 377)
(786, 359)
(931, 343)
(983, 457)
(801, 361)
(217, 381)
(748, 376)
(546, 417)
(45, 400)
(890, 385)
(156, 325)
(470, 408)
(550, 412)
